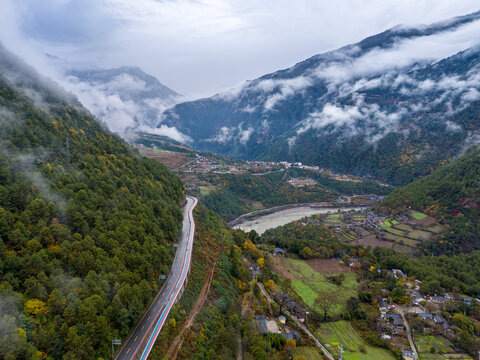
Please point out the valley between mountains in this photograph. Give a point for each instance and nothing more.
(330, 210)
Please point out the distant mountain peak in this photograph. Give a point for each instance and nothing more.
(361, 108)
(126, 98)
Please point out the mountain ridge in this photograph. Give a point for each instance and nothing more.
(264, 118)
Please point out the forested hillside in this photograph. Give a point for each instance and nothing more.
(237, 192)
(392, 119)
(86, 225)
(452, 195)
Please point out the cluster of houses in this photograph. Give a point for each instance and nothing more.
(286, 301)
(370, 222)
(391, 324)
(301, 182)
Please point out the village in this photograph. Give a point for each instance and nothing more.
(416, 313)
(399, 319)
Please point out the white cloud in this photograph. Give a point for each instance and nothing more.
(403, 53)
(245, 135)
(121, 102)
(171, 132)
(453, 127)
(203, 46)
(228, 134)
(224, 135)
(249, 109)
(285, 88)
(361, 118)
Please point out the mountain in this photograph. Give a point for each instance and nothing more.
(126, 98)
(86, 224)
(395, 106)
(452, 195)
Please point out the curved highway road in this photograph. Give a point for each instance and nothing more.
(140, 342)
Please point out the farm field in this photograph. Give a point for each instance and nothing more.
(338, 333)
(425, 343)
(307, 283)
(306, 352)
(404, 233)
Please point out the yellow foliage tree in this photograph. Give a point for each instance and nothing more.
(290, 343)
(35, 306)
(271, 284)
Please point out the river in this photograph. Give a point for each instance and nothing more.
(262, 223)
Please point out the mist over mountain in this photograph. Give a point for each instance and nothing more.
(72, 195)
(125, 98)
(395, 105)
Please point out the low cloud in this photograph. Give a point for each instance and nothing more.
(283, 88)
(28, 168)
(171, 132)
(228, 134)
(124, 102)
(361, 118)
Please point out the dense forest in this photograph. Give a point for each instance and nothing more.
(86, 225)
(306, 239)
(452, 195)
(237, 192)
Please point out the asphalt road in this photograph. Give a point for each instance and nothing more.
(140, 342)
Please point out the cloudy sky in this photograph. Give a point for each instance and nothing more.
(199, 47)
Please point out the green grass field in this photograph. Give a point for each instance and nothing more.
(399, 239)
(418, 216)
(420, 235)
(309, 283)
(205, 190)
(334, 216)
(404, 227)
(342, 333)
(386, 224)
(424, 344)
(394, 231)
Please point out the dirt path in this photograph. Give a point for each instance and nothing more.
(298, 322)
(239, 351)
(177, 342)
(409, 332)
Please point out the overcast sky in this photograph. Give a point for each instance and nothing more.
(200, 47)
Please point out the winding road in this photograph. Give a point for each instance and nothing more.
(140, 342)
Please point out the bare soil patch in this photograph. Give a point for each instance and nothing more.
(373, 241)
(327, 266)
(279, 268)
(177, 342)
(170, 159)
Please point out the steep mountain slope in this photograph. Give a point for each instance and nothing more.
(126, 98)
(385, 106)
(452, 195)
(86, 225)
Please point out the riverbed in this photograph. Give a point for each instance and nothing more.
(262, 223)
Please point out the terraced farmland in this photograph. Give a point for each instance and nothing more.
(403, 233)
(438, 344)
(342, 333)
